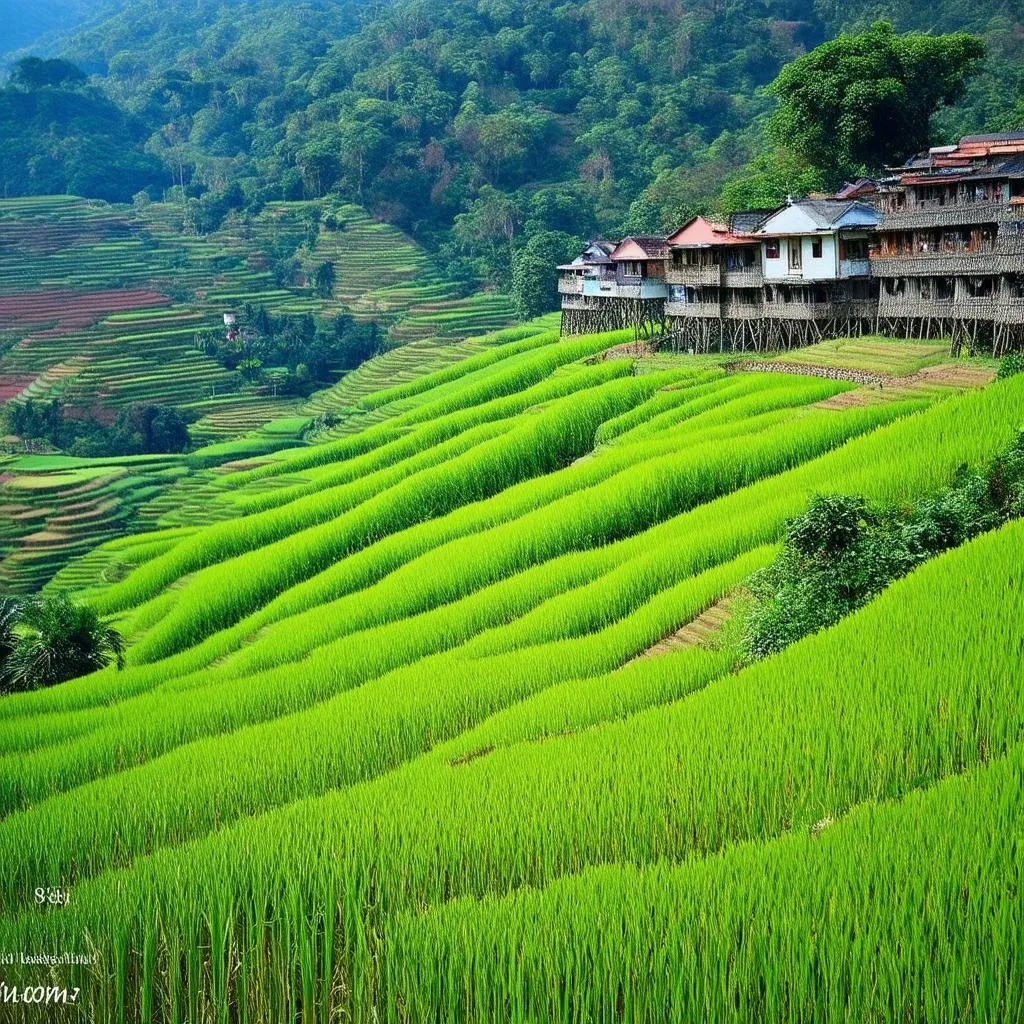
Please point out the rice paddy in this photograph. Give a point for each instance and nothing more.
(385, 748)
(101, 305)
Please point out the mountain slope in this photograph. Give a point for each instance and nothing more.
(24, 23)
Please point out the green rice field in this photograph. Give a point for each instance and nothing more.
(399, 737)
(99, 308)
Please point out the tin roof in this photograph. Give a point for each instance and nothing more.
(860, 187)
(992, 138)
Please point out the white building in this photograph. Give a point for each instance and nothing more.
(817, 240)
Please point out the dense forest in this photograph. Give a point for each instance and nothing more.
(488, 129)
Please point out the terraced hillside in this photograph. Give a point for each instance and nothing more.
(384, 748)
(100, 305)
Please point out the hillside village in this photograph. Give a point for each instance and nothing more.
(933, 249)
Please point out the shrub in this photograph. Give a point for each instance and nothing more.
(1012, 363)
(843, 550)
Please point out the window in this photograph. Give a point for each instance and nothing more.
(771, 250)
(857, 249)
(796, 254)
(816, 248)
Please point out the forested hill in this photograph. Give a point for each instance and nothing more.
(478, 124)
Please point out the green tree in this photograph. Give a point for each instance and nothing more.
(768, 180)
(58, 640)
(37, 73)
(323, 280)
(10, 612)
(251, 369)
(534, 278)
(866, 100)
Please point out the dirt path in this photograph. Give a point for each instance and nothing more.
(699, 632)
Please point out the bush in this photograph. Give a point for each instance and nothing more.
(843, 551)
(1012, 363)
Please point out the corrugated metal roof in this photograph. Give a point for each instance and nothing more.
(822, 215)
(1002, 169)
(992, 137)
(934, 178)
(852, 189)
(748, 221)
(825, 212)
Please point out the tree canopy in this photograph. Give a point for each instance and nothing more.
(865, 101)
(52, 639)
(62, 135)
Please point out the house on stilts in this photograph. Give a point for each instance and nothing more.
(935, 249)
(611, 286)
(949, 251)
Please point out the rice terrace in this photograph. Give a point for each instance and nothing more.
(511, 513)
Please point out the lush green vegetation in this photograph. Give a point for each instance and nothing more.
(360, 707)
(406, 746)
(48, 640)
(844, 550)
(138, 430)
(109, 311)
(501, 134)
(63, 135)
(864, 102)
(307, 349)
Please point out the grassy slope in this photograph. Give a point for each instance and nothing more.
(334, 703)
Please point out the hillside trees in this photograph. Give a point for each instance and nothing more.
(446, 119)
(62, 135)
(843, 550)
(307, 348)
(865, 101)
(139, 429)
(534, 278)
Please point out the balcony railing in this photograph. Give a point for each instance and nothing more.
(694, 309)
(607, 287)
(979, 308)
(855, 268)
(693, 276)
(570, 284)
(1010, 309)
(933, 264)
(801, 310)
(743, 277)
(934, 214)
(732, 310)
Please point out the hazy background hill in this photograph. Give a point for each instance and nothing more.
(25, 23)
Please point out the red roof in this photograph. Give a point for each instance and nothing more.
(644, 247)
(703, 232)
